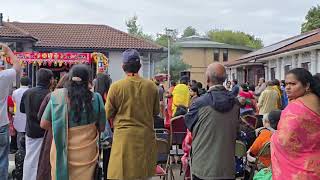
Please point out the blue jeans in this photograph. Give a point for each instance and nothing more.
(4, 152)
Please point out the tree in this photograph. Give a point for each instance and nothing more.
(136, 30)
(189, 31)
(162, 40)
(312, 19)
(132, 26)
(176, 63)
(176, 66)
(235, 38)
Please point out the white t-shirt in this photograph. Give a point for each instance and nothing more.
(6, 79)
(20, 119)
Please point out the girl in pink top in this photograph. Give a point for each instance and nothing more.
(248, 96)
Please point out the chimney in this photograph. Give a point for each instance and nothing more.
(1, 19)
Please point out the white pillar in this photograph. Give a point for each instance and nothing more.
(153, 67)
(293, 61)
(228, 72)
(266, 72)
(269, 71)
(313, 61)
(318, 67)
(282, 64)
(279, 66)
(299, 60)
(149, 65)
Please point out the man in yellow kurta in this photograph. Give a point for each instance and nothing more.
(181, 95)
(132, 104)
(276, 87)
(268, 100)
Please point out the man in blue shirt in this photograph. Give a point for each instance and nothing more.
(235, 88)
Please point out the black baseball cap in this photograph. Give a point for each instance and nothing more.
(130, 55)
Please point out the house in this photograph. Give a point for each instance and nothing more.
(199, 52)
(274, 61)
(78, 38)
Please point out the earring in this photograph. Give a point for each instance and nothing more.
(307, 91)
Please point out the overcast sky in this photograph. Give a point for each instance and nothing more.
(270, 20)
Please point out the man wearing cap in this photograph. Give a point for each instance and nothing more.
(131, 103)
(7, 77)
(181, 97)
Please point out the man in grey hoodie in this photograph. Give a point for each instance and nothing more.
(213, 120)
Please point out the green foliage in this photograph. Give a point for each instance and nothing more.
(312, 19)
(189, 31)
(136, 30)
(162, 40)
(176, 66)
(132, 26)
(235, 38)
(176, 63)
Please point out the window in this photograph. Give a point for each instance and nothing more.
(216, 54)
(273, 73)
(225, 55)
(306, 66)
(287, 69)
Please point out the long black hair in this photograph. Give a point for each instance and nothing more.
(79, 93)
(195, 89)
(305, 77)
(102, 84)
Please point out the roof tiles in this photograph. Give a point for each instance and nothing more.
(76, 36)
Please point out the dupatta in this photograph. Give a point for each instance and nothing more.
(59, 107)
(295, 146)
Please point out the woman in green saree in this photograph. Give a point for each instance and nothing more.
(73, 114)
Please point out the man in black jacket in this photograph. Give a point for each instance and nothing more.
(30, 104)
(213, 120)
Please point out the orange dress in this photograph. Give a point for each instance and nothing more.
(262, 139)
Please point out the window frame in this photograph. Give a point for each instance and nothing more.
(216, 55)
(225, 55)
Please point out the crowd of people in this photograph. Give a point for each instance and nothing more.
(293, 144)
(60, 131)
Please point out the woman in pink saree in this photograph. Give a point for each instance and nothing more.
(295, 146)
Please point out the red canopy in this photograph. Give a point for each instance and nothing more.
(55, 58)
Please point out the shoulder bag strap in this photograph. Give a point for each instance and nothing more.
(98, 126)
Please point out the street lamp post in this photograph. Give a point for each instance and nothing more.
(168, 62)
(168, 33)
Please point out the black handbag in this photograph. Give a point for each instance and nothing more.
(98, 169)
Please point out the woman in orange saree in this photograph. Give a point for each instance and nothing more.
(295, 146)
